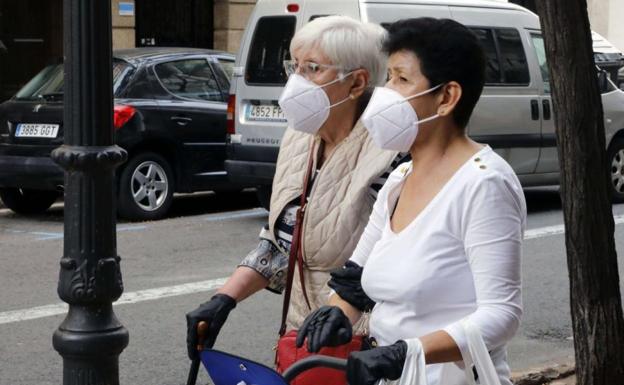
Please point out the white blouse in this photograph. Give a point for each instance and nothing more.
(460, 257)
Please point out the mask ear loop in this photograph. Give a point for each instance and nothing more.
(424, 92)
(340, 78)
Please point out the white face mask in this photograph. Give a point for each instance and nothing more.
(305, 104)
(391, 121)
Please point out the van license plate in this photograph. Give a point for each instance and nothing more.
(265, 112)
(28, 130)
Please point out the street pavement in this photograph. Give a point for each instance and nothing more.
(172, 265)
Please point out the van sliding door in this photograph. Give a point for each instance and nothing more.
(507, 117)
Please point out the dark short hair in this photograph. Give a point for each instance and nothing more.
(448, 51)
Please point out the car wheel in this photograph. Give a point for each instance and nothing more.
(24, 201)
(616, 168)
(145, 187)
(264, 196)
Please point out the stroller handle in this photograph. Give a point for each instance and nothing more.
(313, 362)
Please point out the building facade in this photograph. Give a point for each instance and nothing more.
(31, 31)
(606, 18)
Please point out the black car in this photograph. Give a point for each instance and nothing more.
(169, 114)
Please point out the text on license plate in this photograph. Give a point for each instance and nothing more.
(265, 112)
(30, 130)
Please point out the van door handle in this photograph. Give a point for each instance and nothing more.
(546, 108)
(534, 110)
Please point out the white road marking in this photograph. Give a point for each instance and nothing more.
(252, 213)
(127, 298)
(202, 286)
(549, 231)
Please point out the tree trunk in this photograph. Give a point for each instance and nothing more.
(595, 299)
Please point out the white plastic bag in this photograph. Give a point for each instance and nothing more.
(414, 371)
(480, 357)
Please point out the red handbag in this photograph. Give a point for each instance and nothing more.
(287, 352)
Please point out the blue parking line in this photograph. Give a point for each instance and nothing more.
(45, 236)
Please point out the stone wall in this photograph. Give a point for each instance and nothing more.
(123, 27)
(230, 19)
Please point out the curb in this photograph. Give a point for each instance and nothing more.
(544, 375)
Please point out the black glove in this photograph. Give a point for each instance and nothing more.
(347, 283)
(326, 326)
(214, 313)
(369, 366)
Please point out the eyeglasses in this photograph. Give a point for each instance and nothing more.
(307, 68)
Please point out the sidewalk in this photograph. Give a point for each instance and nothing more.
(558, 374)
(571, 380)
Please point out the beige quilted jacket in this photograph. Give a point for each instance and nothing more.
(338, 207)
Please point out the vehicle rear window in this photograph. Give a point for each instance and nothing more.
(190, 79)
(223, 71)
(269, 48)
(48, 84)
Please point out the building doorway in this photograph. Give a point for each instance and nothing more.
(31, 37)
(174, 23)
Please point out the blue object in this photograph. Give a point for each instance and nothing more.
(228, 369)
(126, 9)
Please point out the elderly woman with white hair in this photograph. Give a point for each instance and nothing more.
(336, 63)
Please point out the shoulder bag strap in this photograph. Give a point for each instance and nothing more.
(295, 257)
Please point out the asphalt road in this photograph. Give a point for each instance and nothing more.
(172, 265)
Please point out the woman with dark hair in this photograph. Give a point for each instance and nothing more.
(440, 256)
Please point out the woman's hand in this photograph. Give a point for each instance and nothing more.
(213, 312)
(367, 367)
(326, 326)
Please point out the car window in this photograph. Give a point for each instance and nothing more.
(269, 48)
(48, 84)
(122, 73)
(493, 73)
(227, 66)
(313, 17)
(540, 52)
(506, 60)
(189, 79)
(223, 71)
(512, 56)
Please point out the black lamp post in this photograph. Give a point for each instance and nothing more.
(90, 338)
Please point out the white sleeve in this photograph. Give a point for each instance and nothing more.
(493, 227)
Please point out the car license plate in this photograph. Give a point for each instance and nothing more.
(30, 130)
(265, 112)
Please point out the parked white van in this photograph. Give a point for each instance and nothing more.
(514, 114)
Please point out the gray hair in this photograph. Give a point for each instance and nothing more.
(348, 43)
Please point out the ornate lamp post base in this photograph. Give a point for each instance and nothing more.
(91, 338)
